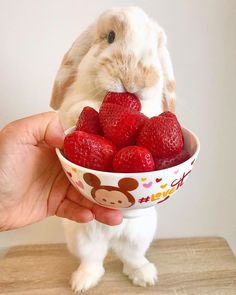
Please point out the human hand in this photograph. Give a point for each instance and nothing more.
(33, 185)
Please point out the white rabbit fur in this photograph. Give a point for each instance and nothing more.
(139, 62)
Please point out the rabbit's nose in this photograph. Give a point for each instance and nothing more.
(129, 87)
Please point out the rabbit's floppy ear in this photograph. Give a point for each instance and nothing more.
(169, 89)
(68, 69)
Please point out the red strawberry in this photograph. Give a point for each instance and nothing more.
(162, 163)
(133, 159)
(89, 150)
(168, 114)
(119, 124)
(125, 99)
(89, 121)
(162, 135)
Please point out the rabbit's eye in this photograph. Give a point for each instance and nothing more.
(111, 37)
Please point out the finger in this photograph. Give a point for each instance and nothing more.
(54, 134)
(102, 214)
(75, 212)
(107, 216)
(44, 127)
(78, 198)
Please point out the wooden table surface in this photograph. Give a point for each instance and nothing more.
(194, 266)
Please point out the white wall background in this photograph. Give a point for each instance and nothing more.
(202, 40)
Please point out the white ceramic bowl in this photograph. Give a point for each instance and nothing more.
(132, 192)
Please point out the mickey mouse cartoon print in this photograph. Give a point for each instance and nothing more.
(111, 196)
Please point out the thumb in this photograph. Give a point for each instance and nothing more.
(53, 134)
(44, 127)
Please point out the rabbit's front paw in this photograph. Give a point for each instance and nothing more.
(85, 278)
(143, 276)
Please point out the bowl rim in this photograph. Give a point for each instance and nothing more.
(78, 167)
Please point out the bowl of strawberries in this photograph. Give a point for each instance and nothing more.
(121, 159)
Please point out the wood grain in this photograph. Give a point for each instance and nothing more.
(194, 266)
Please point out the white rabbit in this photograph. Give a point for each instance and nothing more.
(124, 50)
